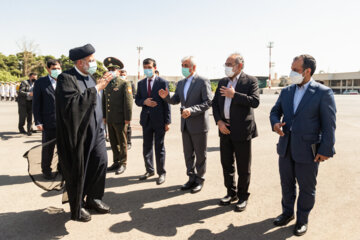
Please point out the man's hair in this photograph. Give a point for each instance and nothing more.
(309, 62)
(238, 58)
(148, 61)
(32, 74)
(52, 62)
(191, 58)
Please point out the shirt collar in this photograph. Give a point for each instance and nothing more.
(236, 78)
(305, 86)
(84, 75)
(152, 78)
(51, 78)
(191, 77)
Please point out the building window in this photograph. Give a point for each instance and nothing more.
(357, 83)
(343, 83)
(349, 83)
(335, 83)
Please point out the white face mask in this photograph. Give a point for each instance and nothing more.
(229, 71)
(296, 78)
(122, 77)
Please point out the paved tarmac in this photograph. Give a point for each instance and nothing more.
(143, 210)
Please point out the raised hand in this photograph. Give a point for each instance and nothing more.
(163, 93)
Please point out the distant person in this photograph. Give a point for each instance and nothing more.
(304, 117)
(7, 91)
(2, 91)
(80, 133)
(12, 92)
(233, 108)
(157, 73)
(194, 94)
(25, 104)
(44, 113)
(117, 110)
(155, 119)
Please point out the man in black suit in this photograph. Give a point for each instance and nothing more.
(44, 113)
(25, 103)
(155, 119)
(235, 98)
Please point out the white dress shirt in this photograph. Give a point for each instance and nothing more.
(187, 85)
(227, 102)
(299, 94)
(151, 83)
(53, 82)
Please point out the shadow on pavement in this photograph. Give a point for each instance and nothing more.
(164, 221)
(33, 141)
(124, 181)
(41, 224)
(213, 149)
(264, 230)
(8, 135)
(10, 180)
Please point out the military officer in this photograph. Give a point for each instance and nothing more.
(117, 108)
(123, 76)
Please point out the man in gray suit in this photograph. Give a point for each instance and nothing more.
(194, 94)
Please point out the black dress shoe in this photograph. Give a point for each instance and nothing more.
(29, 133)
(97, 205)
(228, 199)
(241, 205)
(120, 170)
(22, 131)
(197, 187)
(188, 185)
(146, 176)
(300, 229)
(282, 220)
(84, 216)
(49, 176)
(161, 179)
(113, 167)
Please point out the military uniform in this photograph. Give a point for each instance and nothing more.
(117, 108)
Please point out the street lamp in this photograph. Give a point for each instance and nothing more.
(139, 48)
(270, 46)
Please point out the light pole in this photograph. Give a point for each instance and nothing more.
(270, 46)
(139, 48)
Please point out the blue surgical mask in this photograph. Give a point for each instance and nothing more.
(185, 72)
(55, 73)
(92, 67)
(148, 73)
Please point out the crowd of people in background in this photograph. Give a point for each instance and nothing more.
(9, 91)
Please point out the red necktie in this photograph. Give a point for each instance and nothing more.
(149, 87)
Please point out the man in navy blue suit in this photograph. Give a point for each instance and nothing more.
(305, 118)
(44, 113)
(155, 119)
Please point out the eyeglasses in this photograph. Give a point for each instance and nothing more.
(229, 65)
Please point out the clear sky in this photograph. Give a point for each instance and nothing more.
(208, 29)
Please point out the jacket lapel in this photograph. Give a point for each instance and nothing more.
(307, 96)
(291, 101)
(154, 87)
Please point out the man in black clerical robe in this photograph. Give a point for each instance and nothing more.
(80, 136)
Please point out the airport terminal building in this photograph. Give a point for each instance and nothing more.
(340, 82)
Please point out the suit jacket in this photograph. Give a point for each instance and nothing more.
(198, 99)
(246, 98)
(159, 115)
(314, 122)
(24, 89)
(117, 101)
(44, 103)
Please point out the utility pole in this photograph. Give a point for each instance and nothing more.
(139, 48)
(270, 46)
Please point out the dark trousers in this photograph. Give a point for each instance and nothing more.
(25, 113)
(128, 134)
(149, 134)
(242, 152)
(47, 151)
(95, 164)
(118, 142)
(305, 174)
(195, 145)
